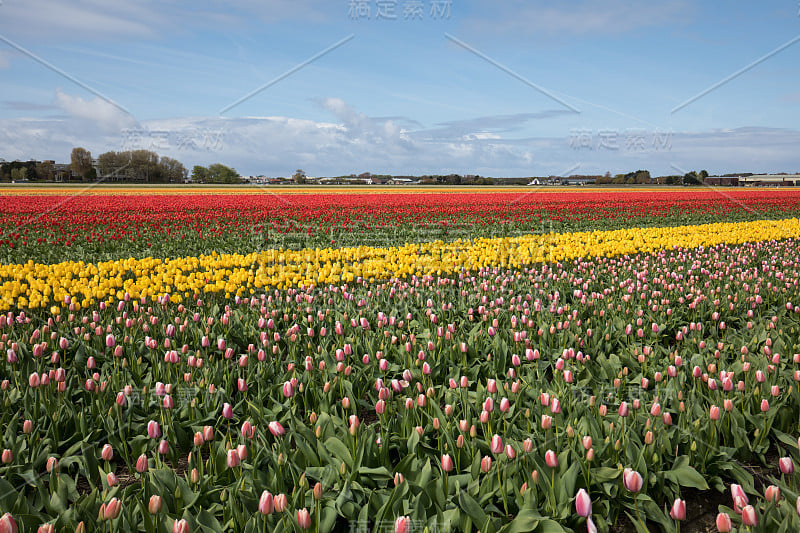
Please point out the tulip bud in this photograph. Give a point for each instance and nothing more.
(154, 507)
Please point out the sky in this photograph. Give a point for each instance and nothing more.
(409, 87)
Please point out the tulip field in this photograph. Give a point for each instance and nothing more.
(495, 360)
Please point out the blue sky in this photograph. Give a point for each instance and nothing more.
(507, 88)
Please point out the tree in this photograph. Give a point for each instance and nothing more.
(299, 176)
(219, 173)
(642, 176)
(45, 170)
(81, 161)
(140, 165)
(691, 178)
(199, 174)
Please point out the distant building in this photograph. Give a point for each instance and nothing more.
(578, 181)
(722, 181)
(771, 180)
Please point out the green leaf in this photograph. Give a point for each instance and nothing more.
(468, 504)
(340, 450)
(208, 522)
(685, 475)
(526, 520)
(605, 473)
(549, 526)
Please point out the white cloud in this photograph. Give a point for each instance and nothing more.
(75, 20)
(102, 113)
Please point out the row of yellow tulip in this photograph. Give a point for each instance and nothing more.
(34, 286)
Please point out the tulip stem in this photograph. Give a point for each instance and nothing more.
(636, 505)
(502, 492)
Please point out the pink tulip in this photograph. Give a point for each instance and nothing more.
(266, 504)
(764, 405)
(583, 503)
(402, 525)
(113, 509)
(714, 412)
(7, 524)
(749, 516)
(624, 409)
(486, 464)
(488, 405)
(497, 444)
(141, 464)
(678, 511)
(447, 462)
(163, 447)
(555, 406)
(511, 453)
(632, 480)
(233, 460)
(786, 465)
(227, 411)
(551, 459)
(772, 493)
(276, 428)
(281, 502)
(724, 523)
(303, 519)
(153, 429)
(180, 526)
(154, 506)
(288, 389)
